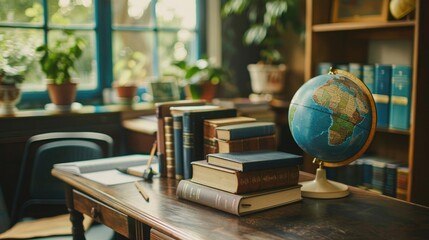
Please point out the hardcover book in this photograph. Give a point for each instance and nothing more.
(237, 182)
(177, 113)
(381, 94)
(163, 110)
(368, 76)
(248, 144)
(235, 203)
(193, 135)
(356, 70)
(210, 125)
(245, 130)
(254, 160)
(402, 183)
(169, 147)
(400, 97)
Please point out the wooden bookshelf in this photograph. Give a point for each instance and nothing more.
(350, 42)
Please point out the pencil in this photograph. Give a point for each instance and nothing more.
(142, 191)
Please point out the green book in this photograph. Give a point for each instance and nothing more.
(254, 160)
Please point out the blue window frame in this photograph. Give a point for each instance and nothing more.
(166, 32)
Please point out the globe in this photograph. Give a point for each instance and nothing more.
(333, 117)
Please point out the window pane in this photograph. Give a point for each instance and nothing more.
(17, 52)
(69, 12)
(173, 13)
(85, 66)
(132, 54)
(174, 46)
(132, 12)
(24, 11)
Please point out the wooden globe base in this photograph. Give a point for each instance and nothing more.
(322, 188)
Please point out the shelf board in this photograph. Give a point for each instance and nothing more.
(348, 26)
(394, 131)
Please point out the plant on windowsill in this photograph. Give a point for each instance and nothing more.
(129, 70)
(269, 20)
(57, 63)
(201, 78)
(16, 56)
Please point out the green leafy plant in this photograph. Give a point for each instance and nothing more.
(58, 60)
(16, 56)
(201, 71)
(269, 19)
(130, 67)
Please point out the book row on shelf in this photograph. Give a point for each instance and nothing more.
(374, 173)
(390, 86)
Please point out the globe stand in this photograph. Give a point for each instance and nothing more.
(323, 188)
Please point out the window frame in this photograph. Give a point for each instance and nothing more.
(103, 29)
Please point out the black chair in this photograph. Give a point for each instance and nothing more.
(38, 193)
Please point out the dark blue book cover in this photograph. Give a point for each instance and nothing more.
(400, 101)
(254, 160)
(193, 135)
(381, 94)
(368, 76)
(245, 130)
(389, 188)
(178, 145)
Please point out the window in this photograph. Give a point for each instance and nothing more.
(126, 39)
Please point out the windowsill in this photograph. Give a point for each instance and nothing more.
(128, 111)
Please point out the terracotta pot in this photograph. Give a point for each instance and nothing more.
(126, 92)
(206, 91)
(63, 94)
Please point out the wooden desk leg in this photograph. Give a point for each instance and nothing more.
(76, 217)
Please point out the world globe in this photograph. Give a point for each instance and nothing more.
(333, 117)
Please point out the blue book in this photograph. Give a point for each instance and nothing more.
(323, 68)
(178, 145)
(368, 76)
(254, 160)
(381, 94)
(245, 130)
(356, 70)
(400, 101)
(193, 135)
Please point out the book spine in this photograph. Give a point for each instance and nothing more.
(160, 141)
(389, 188)
(248, 132)
(209, 130)
(381, 94)
(356, 70)
(209, 197)
(193, 135)
(210, 146)
(178, 146)
(402, 183)
(248, 144)
(368, 77)
(400, 98)
(169, 147)
(267, 179)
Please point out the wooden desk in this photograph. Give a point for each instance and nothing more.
(362, 215)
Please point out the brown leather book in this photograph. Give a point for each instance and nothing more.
(248, 144)
(234, 181)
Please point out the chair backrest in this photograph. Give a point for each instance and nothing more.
(36, 186)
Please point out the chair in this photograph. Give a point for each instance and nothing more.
(38, 193)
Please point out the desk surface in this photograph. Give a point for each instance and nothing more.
(361, 215)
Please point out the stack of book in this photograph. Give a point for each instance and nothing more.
(210, 134)
(246, 137)
(243, 182)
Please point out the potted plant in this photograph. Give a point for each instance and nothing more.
(201, 79)
(129, 70)
(57, 63)
(16, 56)
(269, 20)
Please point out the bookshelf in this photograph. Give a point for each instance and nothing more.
(352, 42)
